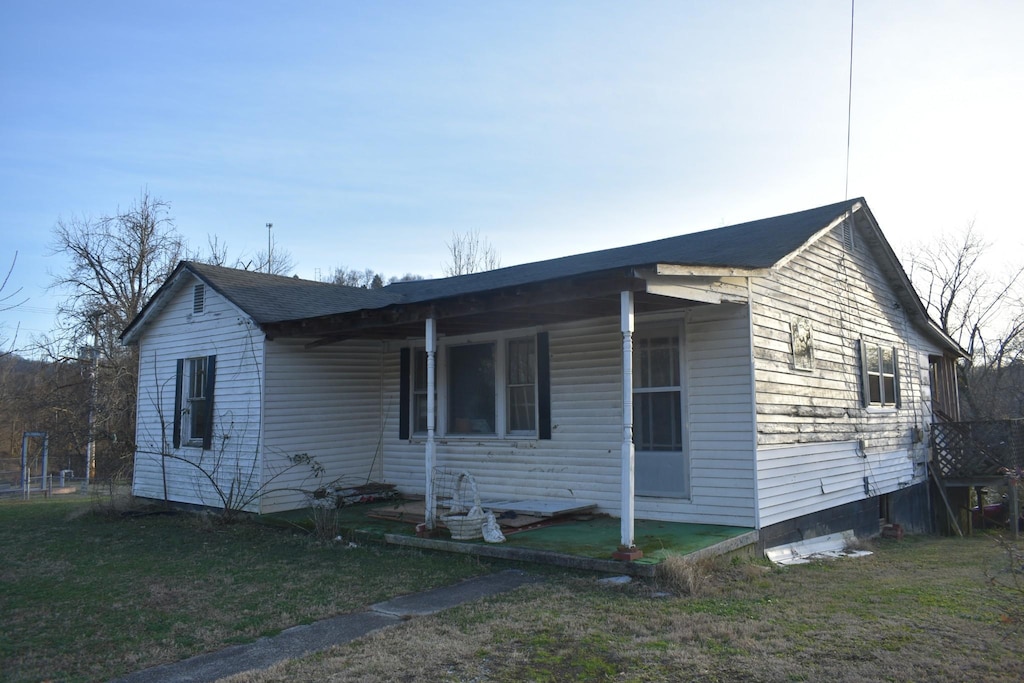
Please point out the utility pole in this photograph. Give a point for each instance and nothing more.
(270, 246)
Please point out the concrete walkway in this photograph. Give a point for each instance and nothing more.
(303, 640)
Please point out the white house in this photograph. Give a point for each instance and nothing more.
(776, 375)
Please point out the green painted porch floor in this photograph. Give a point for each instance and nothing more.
(599, 538)
(596, 537)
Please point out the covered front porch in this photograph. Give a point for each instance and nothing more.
(583, 448)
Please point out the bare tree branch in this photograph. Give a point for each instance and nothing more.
(468, 252)
(982, 310)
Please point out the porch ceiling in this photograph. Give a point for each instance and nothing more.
(537, 304)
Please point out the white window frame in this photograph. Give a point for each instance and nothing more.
(500, 342)
(189, 399)
(884, 403)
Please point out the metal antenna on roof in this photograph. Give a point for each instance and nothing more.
(849, 106)
(269, 245)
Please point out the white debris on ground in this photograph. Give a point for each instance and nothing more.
(830, 547)
(616, 580)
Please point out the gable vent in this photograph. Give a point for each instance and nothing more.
(848, 234)
(198, 299)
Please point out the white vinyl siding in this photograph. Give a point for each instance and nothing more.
(817, 440)
(582, 461)
(176, 333)
(799, 480)
(323, 402)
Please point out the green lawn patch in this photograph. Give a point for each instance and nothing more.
(87, 596)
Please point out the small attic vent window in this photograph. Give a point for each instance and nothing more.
(199, 299)
(848, 235)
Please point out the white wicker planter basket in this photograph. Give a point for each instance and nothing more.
(465, 520)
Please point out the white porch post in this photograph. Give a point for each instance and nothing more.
(428, 464)
(628, 452)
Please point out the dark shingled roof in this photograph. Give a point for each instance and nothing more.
(757, 244)
(273, 298)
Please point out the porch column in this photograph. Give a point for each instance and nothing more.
(428, 462)
(627, 548)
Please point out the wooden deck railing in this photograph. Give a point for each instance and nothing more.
(965, 450)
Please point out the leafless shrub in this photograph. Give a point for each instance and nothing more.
(686, 577)
(112, 497)
(1008, 578)
(323, 511)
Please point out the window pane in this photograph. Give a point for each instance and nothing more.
(197, 418)
(889, 383)
(471, 389)
(663, 366)
(522, 360)
(875, 389)
(657, 421)
(658, 362)
(419, 412)
(419, 370)
(521, 373)
(522, 409)
(197, 378)
(873, 359)
(888, 367)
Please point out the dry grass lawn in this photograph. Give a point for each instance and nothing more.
(921, 609)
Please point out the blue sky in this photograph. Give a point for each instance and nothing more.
(368, 133)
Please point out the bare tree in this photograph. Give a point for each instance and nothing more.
(9, 301)
(275, 260)
(468, 252)
(981, 309)
(216, 254)
(115, 264)
(408, 277)
(351, 277)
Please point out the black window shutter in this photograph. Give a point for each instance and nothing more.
(178, 376)
(896, 376)
(543, 387)
(403, 393)
(211, 372)
(865, 381)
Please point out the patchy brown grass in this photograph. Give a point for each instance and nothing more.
(918, 609)
(87, 594)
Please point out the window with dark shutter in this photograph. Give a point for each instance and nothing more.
(193, 401)
(879, 375)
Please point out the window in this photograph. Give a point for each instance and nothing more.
(521, 386)
(419, 391)
(499, 388)
(657, 396)
(193, 419)
(198, 299)
(879, 376)
(658, 415)
(471, 389)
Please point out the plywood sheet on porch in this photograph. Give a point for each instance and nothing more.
(539, 508)
(414, 512)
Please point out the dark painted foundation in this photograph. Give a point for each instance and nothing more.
(907, 507)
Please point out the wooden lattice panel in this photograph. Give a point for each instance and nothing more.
(977, 449)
